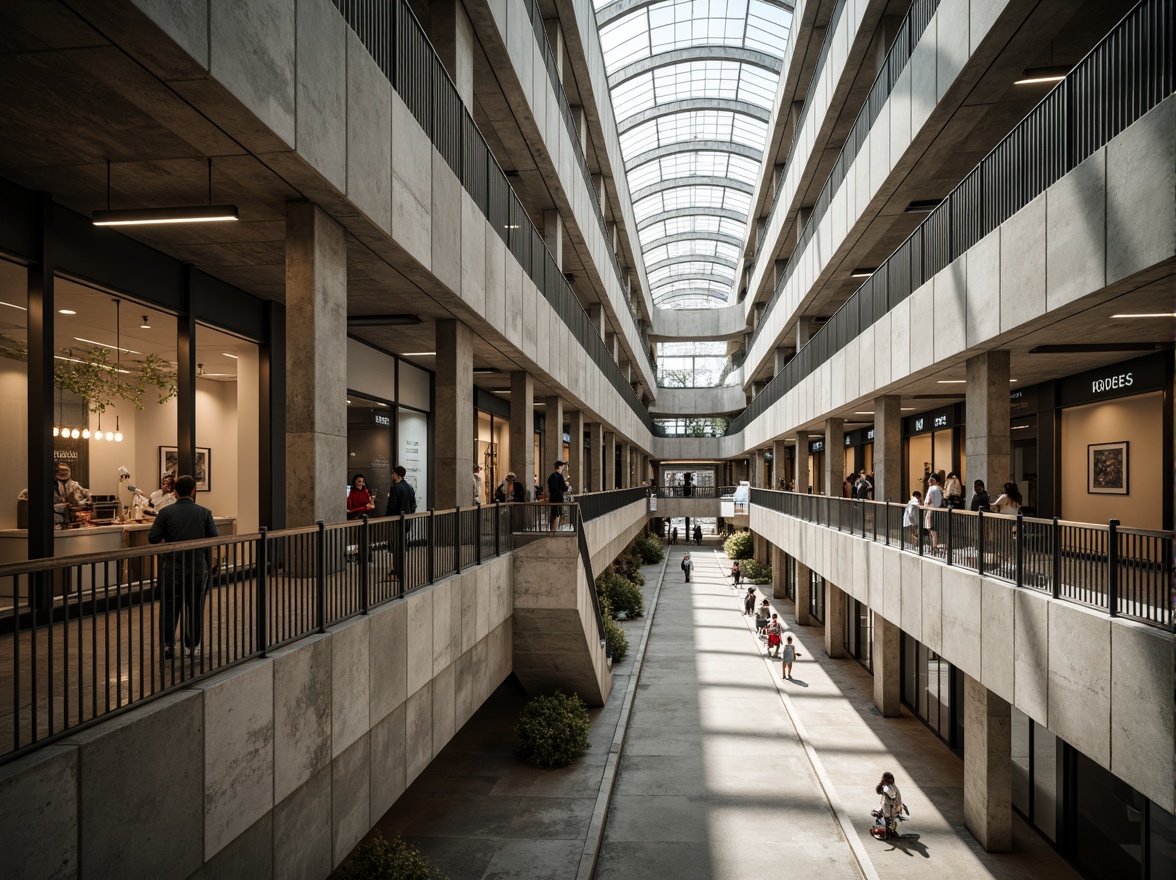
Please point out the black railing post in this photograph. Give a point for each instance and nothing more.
(478, 543)
(262, 590)
(1113, 567)
(431, 543)
(919, 527)
(401, 551)
(887, 523)
(1019, 544)
(949, 536)
(321, 575)
(457, 541)
(980, 543)
(1057, 559)
(364, 556)
(497, 529)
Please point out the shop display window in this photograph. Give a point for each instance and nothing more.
(14, 379)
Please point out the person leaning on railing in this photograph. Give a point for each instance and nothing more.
(510, 490)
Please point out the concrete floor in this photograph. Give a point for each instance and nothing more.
(726, 771)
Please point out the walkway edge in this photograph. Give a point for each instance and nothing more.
(595, 837)
(834, 800)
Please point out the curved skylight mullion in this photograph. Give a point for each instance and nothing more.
(693, 84)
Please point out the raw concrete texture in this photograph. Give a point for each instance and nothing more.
(1079, 690)
(1031, 644)
(39, 803)
(250, 854)
(302, 837)
(388, 755)
(350, 677)
(238, 751)
(369, 135)
(388, 647)
(1076, 233)
(350, 797)
(1141, 726)
(131, 821)
(302, 713)
(321, 90)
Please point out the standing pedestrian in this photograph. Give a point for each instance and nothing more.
(687, 566)
(674, 535)
(774, 630)
(698, 535)
(556, 487)
(980, 499)
(931, 503)
(736, 573)
(184, 572)
(360, 499)
(401, 500)
(788, 655)
(910, 514)
(749, 602)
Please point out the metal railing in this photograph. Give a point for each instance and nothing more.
(1128, 73)
(597, 504)
(1122, 571)
(397, 43)
(87, 637)
(693, 491)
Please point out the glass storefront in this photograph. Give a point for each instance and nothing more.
(816, 596)
(859, 633)
(933, 689)
(492, 452)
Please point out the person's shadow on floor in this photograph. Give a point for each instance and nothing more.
(909, 844)
(797, 681)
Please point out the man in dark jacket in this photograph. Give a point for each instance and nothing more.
(183, 573)
(556, 487)
(401, 500)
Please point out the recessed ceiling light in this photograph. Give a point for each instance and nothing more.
(226, 354)
(1018, 427)
(66, 312)
(417, 354)
(864, 413)
(953, 381)
(1140, 315)
(13, 306)
(907, 408)
(862, 273)
(1036, 75)
(104, 345)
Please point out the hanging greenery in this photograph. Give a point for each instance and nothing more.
(95, 375)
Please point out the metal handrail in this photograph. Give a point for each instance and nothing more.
(1125, 572)
(1129, 72)
(88, 637)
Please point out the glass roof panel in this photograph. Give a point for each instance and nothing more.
(653, 29)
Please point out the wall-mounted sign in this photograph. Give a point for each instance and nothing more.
(1117, 380)
(816, 446)
(383, 419)
(936, 420)
(859, 437)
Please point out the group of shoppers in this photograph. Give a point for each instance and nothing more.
(951, 496)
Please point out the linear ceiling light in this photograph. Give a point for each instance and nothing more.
(1035, 75)
(862, 273)
(1148, 315)
(209, 213)
(382, 320)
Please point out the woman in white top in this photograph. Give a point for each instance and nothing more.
(910, 515)
(1009, 501)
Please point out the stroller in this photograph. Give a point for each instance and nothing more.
(885, 827)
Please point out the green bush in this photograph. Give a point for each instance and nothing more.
(615, 640)
(739, 546)
(649, 548)
(629, 566)
(756, 572)
(553, 731)
(380, 859)
(622, 595)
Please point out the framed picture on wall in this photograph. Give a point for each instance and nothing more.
(1106, 468)
(169, 463)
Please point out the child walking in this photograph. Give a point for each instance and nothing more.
(788, 655)
(761, 616)
(749, 602)
(774, 630)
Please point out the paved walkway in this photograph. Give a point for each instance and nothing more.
(726, 772)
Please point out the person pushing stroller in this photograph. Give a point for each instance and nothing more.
(762, 613)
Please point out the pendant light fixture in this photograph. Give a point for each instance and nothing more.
(209, 213)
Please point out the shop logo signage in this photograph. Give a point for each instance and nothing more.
(919, 423)
(1112, 383)
(848, 440)
(941, 421)
(382, 419)
(870, 434)
(817, 446)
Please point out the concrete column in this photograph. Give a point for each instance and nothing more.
(804, 477)
(834, 456)
(577, 471)
(581, 120)
(888, 449)
(452, 36)
(453, 422)
(779, 457)
(779, 563)
(778, 270)
(804, 591)
(552, 436)
(522, 429)
(887, 667)
(795, 111)
(835, 600)
(805, 327)
(783, 356)
(802, 219)
(596, 457)
(987, 445)
(610, 460)
(316, 365)
(626, 466)
(556, 38)
(988, 771)
(553, 236)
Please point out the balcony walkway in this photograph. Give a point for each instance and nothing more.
(725, 771)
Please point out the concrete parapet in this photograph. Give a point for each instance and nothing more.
(39, 803)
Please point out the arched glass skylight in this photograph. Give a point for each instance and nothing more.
(692, 85)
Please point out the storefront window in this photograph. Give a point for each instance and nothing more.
(413, 443)
(1045, 782)
(14, 378)
(817, 597)
(1109, 822)
(370, 429)
(492, 452)
(1020, 758)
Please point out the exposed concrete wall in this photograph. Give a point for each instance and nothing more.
(1039, 265)
(274, 768)
(556, 640)
(705, 402)
(688, 506)
(608, 535)
(1029, 649)
(673, 325)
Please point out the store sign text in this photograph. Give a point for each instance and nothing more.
(1112, 383)
(383, 420)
